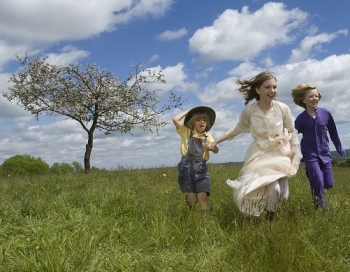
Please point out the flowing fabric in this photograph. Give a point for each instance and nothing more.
(266, 159)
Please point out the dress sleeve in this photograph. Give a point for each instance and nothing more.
(243, 124)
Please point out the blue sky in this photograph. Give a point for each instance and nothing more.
(202, 47)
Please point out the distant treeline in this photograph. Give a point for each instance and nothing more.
(336, 157)
(27, 164)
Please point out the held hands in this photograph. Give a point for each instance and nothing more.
(210, 146)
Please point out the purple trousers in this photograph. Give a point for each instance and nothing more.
(320, 177)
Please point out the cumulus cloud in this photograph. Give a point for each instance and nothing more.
(31, 27)
(222, 93)
(69, 54)
(205, 73)
(153, 58)
(310, 42)
(243, 35)
(55, 21)
(35, 138)
(9, 52)
(330, 75)
(7, 108)
(142, 8)
(169, 35)
(176, 78)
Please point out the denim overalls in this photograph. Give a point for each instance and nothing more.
(193, 171)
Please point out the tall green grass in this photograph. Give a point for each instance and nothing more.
(137, 220)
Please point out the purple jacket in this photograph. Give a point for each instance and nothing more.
(315, 143)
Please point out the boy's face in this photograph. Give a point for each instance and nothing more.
(311, 99)
(200, 123)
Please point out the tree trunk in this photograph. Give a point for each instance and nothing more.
(88, 153)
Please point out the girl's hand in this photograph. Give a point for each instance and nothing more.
(208, 146)
(292, 152)
(291, 155)
(213, 147)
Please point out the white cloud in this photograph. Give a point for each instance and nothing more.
(204, 73)
(221, 93)
(9, 52)
(143, 8)
(69, 54)
(169, 35)
(7, 108)
(243, 35)
(55, 21)
(176, 79)
(330, 75)
(268, 62)
(310, 42)
(153, 58)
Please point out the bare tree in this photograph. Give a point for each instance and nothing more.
(93, 97)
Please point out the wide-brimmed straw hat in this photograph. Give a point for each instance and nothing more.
(208, 110)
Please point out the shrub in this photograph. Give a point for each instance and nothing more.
(24, 164)
(61, 168)
(345, 163)
(77, 167)
(64, 168)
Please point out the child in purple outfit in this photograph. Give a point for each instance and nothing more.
(314, 123)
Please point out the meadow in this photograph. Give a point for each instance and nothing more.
(137, 220)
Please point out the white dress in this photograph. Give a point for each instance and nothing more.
(266, 159)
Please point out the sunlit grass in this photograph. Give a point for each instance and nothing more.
(136, 220)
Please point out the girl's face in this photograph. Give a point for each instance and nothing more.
(200, 123)
(311, 99)
(268, 90)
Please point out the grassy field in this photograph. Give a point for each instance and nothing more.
(136, 220)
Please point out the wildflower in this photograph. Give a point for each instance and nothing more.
(164, 175)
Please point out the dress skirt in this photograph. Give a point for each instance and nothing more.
(265, 163)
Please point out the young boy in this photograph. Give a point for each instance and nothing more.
(193, 176)
(315, 123)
